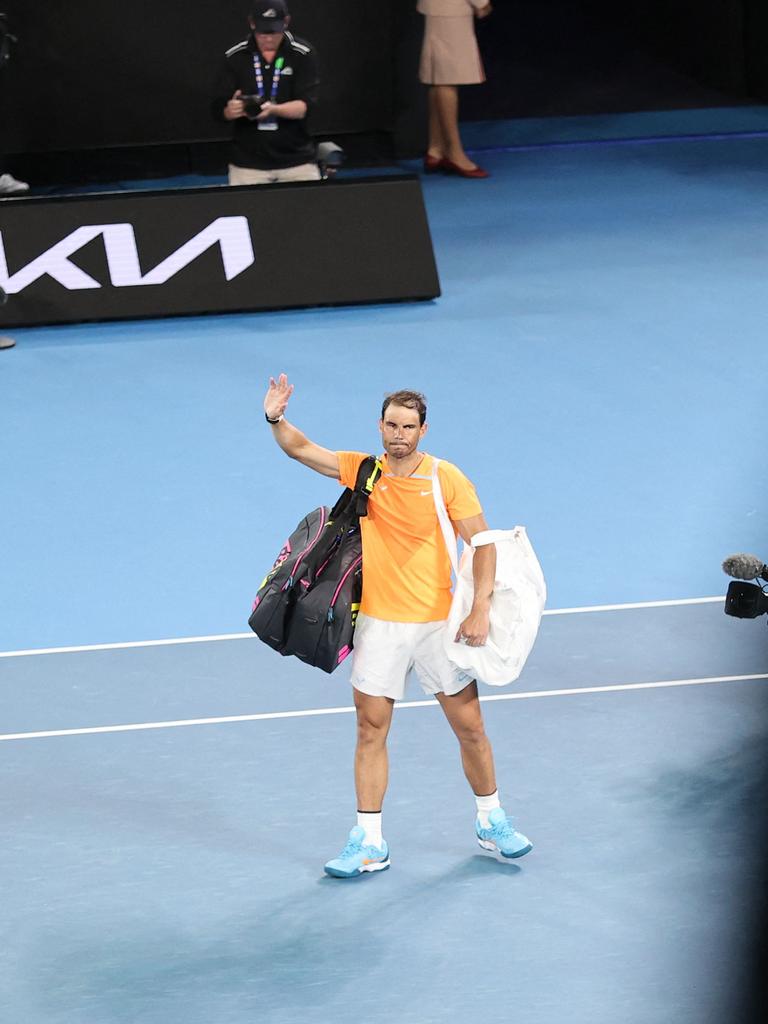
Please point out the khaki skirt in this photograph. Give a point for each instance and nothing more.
(449, 53)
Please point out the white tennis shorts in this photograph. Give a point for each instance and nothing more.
(385, 652)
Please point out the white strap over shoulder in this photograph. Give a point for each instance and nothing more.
(445, 523)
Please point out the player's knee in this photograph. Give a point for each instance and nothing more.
(472, 734)
(371, 731)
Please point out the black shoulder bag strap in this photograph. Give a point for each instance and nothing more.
(353, 503)
(367, 478)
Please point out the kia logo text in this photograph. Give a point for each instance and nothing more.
(232, 234)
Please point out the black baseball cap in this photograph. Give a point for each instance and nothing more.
(269, 16)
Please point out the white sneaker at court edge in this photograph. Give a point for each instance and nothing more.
(10, 186)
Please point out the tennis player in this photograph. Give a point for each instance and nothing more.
(405, 602)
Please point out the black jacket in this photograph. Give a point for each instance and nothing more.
(291, 144)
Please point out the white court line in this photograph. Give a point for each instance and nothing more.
(636, 604)
(317, 712)
(127, 644)
(251, 636)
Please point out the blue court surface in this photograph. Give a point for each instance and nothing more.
(172, 788)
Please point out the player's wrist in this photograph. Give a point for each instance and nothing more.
(273, 420)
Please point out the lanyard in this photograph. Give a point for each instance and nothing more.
(260, 76)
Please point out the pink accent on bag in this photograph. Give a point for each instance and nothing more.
(343, 579)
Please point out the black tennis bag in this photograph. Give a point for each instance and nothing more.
(308, 602)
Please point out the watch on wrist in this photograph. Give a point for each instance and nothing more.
(269, 419)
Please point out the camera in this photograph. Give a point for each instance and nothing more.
(746, 600)
(252, 105)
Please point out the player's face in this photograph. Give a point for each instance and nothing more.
(401, 431)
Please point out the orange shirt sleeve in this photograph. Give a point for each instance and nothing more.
(459, 493)
(349, 464)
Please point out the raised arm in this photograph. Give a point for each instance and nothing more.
(295, 444)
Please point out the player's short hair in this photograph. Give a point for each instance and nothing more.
(408, 399)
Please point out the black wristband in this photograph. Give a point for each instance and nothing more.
(273, 422)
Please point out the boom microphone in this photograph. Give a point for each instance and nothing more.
(745, 567)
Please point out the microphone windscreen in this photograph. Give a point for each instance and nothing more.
(743, 567)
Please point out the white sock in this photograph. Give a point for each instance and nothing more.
(485, 804)
(371, 823)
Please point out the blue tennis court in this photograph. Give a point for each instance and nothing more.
(172, 787)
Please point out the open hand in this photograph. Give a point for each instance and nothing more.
(276, 399)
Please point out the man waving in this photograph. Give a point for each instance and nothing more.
(405, 601)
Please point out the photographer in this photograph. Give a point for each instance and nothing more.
(9, 186)
(267, 86)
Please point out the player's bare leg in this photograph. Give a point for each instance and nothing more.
(374, 717)
(466, 719)
(366, 849)
(495, 832)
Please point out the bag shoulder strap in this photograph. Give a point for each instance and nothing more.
(367, 477)
(368, 474)
(442, 514)
(354, 500)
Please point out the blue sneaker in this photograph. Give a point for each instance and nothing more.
(356, 858)
(502, 837)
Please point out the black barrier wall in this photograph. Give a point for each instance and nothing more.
(140, 254)
(90, 73)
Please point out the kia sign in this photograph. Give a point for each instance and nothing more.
(232, 233)
(116, 256)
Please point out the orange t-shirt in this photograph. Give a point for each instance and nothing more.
(406, 568)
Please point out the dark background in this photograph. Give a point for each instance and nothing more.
(132, 82)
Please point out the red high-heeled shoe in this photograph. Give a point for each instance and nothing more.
(451, 168)
(432, 164)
